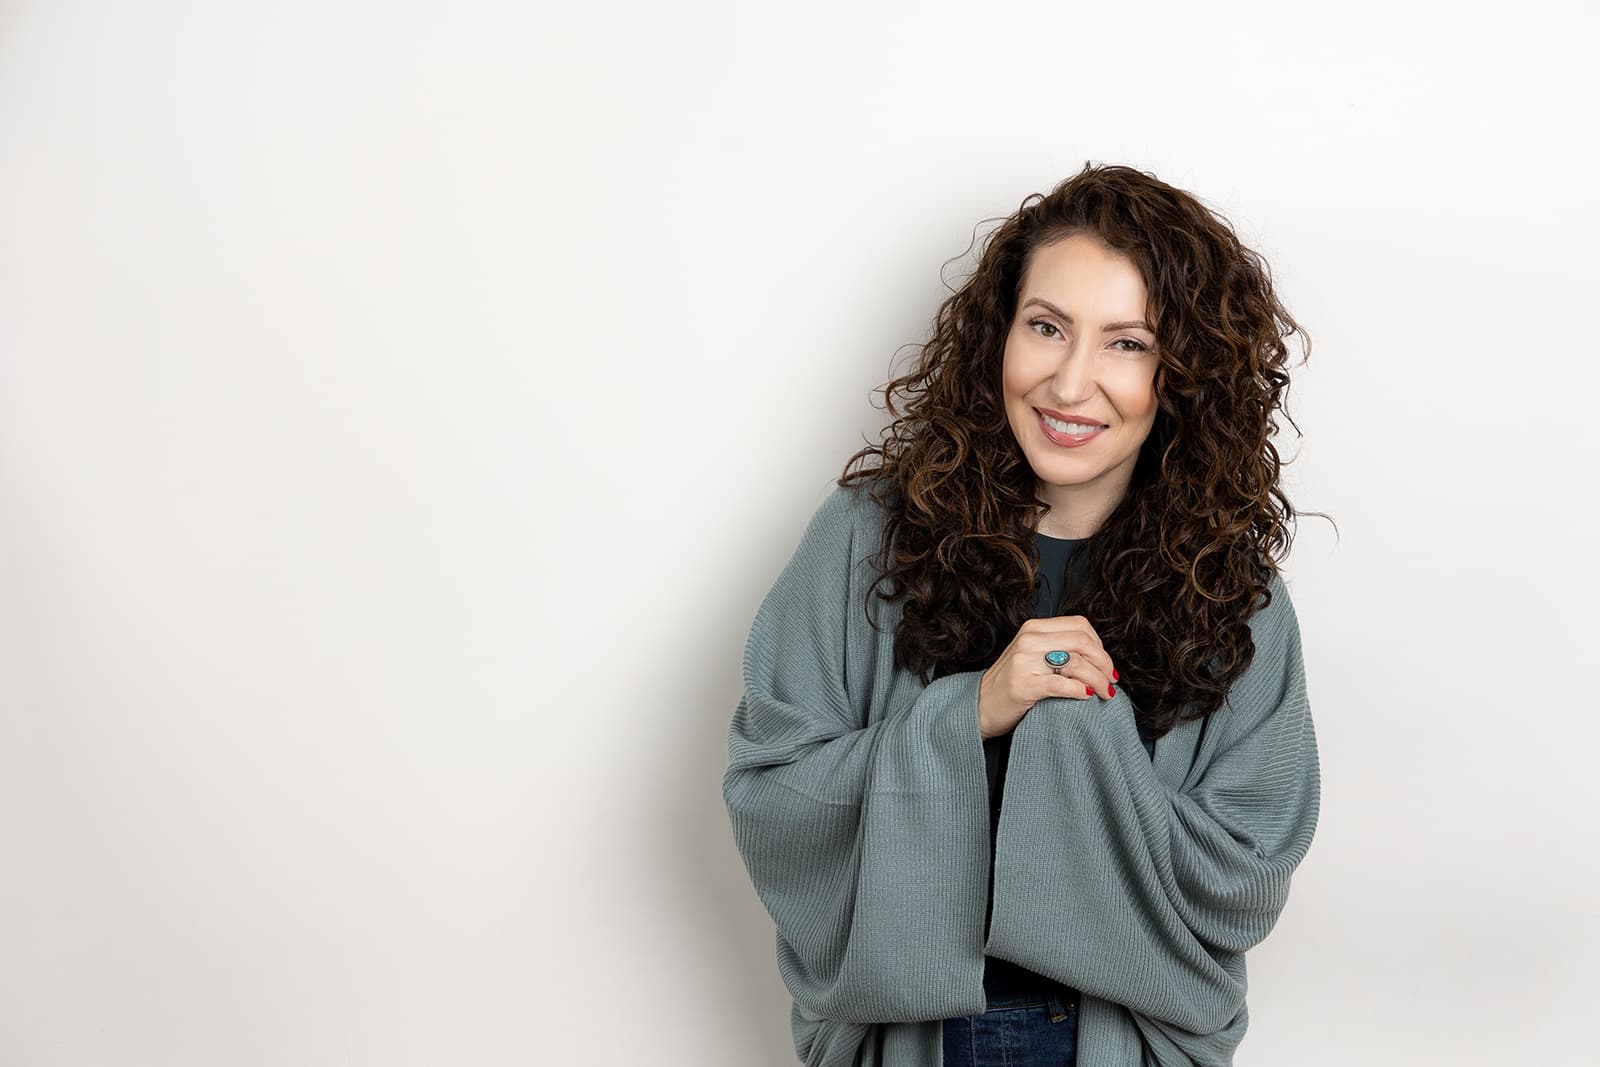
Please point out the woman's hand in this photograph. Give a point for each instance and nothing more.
(1021, 678)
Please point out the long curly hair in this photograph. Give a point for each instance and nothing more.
(1174, 573)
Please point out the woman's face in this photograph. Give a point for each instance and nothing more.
(1080, 349)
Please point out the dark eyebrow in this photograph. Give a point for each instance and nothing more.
(1107, 328)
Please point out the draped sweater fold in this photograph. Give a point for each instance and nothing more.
(858, 799)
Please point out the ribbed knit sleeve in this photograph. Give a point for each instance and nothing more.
(859, 804)
(1147, 895)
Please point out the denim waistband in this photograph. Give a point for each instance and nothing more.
(1006, 984)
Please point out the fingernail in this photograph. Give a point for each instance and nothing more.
(1091, 690)
(1115, 676)
(1111, 690)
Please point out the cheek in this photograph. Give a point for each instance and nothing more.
(1013, 374)
(1023, 365)
(1140, 396)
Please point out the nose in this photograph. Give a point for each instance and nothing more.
(1074, 377)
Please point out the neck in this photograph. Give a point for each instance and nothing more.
(1075, 512)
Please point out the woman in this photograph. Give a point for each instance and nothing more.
(1024, 760)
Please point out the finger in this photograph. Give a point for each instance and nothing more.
(1083, 677)
(1079, 646)
(1074, 635)
(1065, 685)
(1084, 667)
(1088, 675)
(1063, 625)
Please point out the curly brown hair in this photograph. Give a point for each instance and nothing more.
(1174, 573)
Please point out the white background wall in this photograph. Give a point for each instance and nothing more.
(403, 409)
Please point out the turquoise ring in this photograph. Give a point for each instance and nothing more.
(1057, 660)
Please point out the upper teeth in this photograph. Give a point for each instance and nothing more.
(1069, 427)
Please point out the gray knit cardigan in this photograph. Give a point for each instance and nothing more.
(859, 804)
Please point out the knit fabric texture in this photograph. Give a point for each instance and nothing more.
(858, 800)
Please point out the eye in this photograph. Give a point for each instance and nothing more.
(1138, 346)
(1050, 325)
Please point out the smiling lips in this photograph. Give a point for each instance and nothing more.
(1061, 435)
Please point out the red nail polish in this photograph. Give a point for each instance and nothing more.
(1111, 690)
(1091, 690)
(1115, 675)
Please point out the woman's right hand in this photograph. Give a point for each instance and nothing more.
(1021, 678)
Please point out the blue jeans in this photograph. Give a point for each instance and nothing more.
(1018, 1030)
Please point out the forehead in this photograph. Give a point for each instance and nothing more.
(1082, 272)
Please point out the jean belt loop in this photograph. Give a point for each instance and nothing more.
(1053, 1001)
